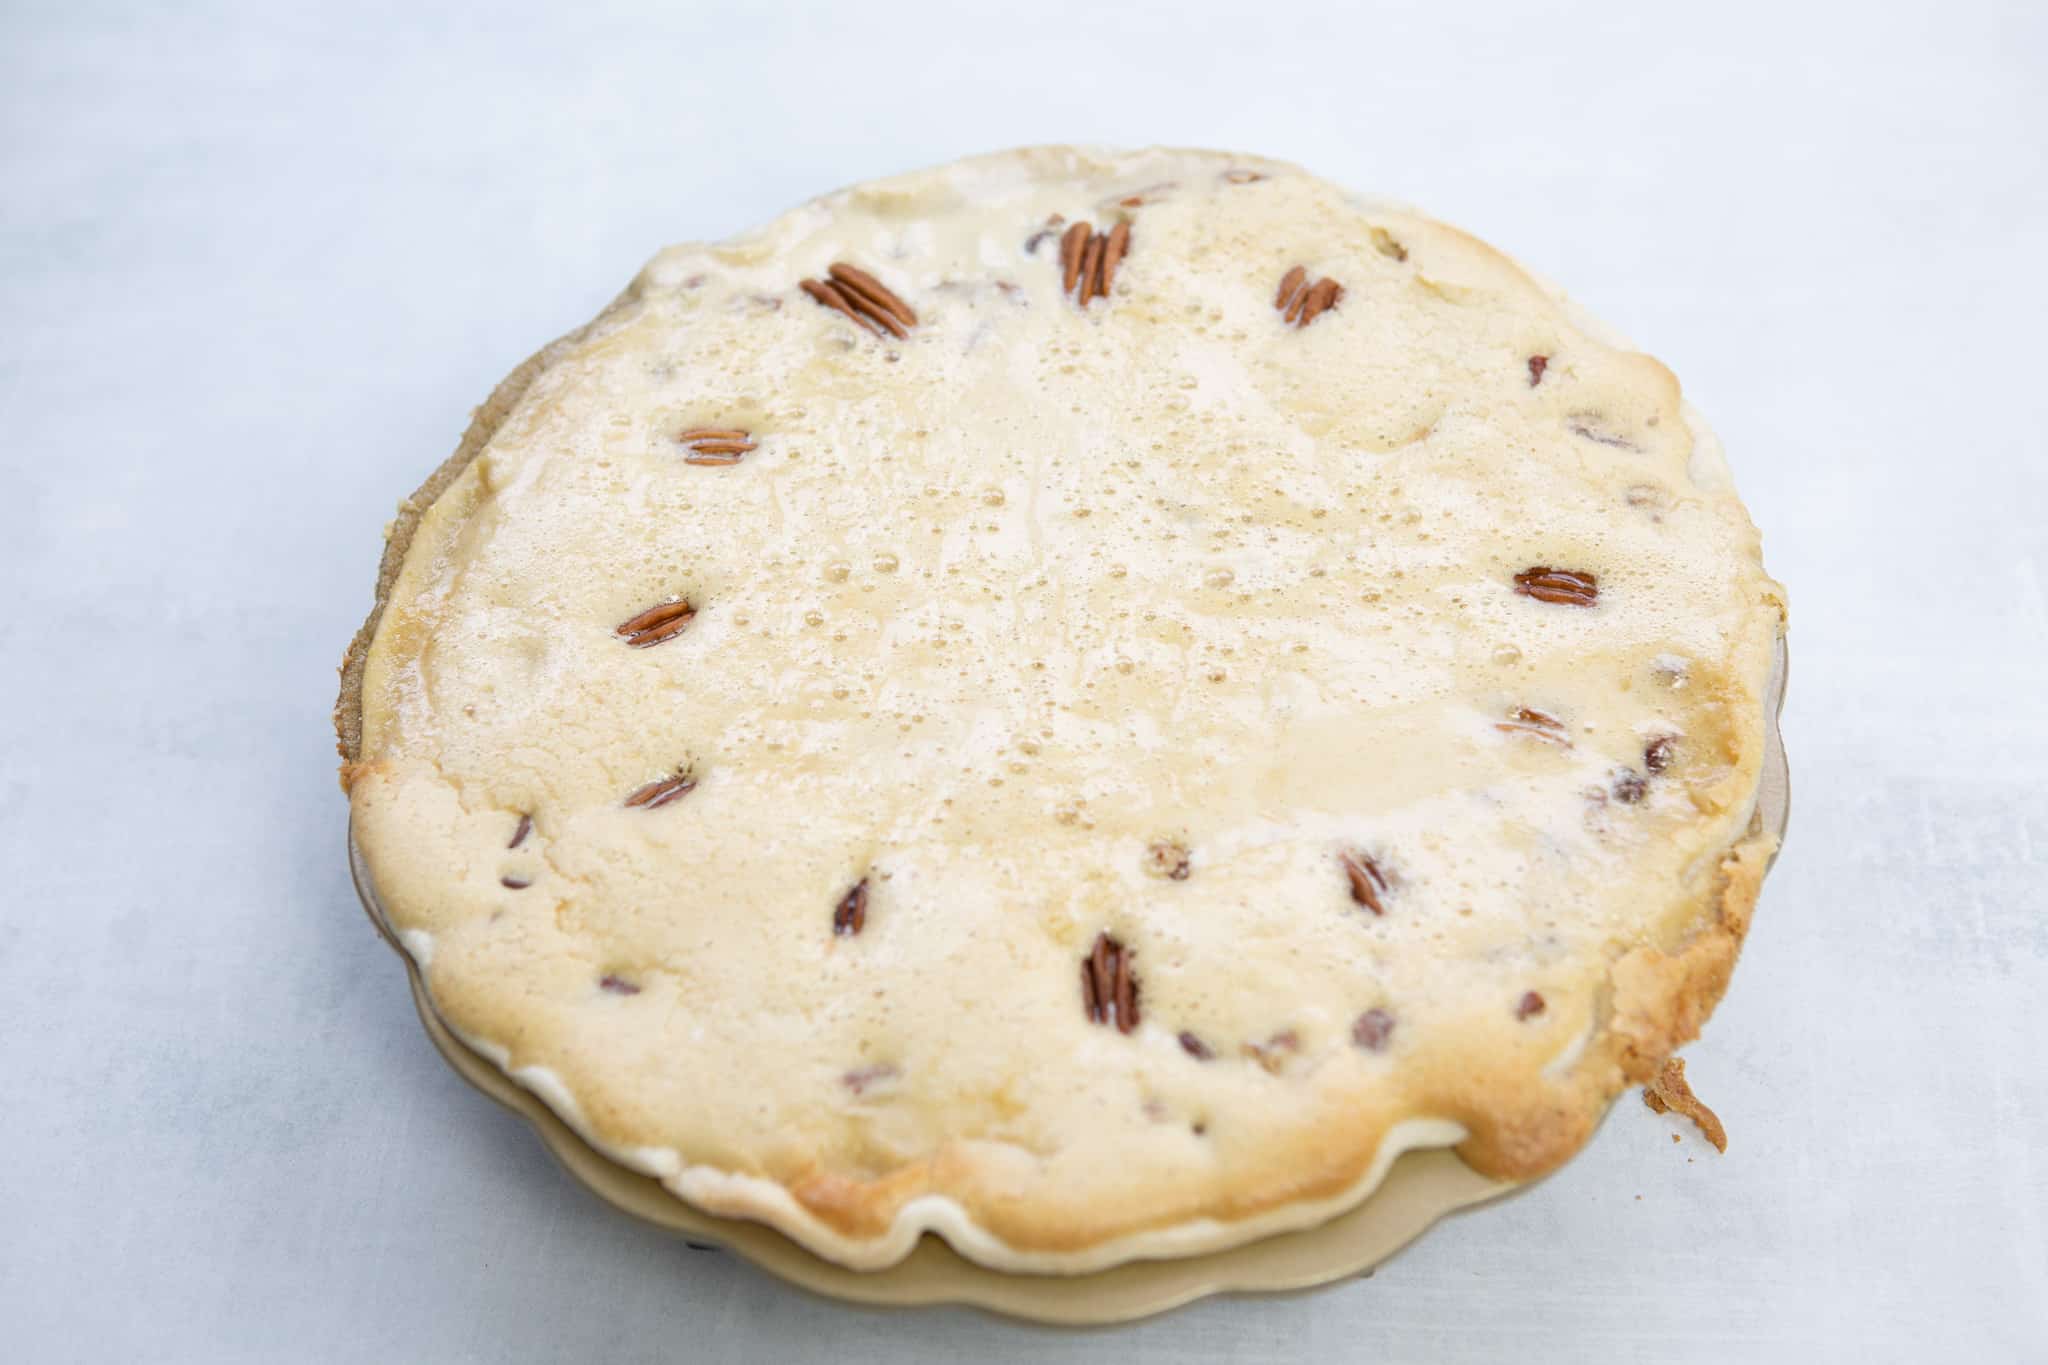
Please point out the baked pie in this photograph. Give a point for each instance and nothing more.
(1081, 702)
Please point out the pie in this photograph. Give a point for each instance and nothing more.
(1082, 702)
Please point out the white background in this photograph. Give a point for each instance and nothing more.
(257, 264)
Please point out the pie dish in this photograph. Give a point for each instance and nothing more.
(1081, 702)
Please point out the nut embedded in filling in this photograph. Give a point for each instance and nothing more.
(1109, 986)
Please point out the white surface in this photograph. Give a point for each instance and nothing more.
(255, 269)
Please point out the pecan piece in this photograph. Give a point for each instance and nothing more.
(1273, 1053)
(715, 446)
(1073, 242)
(871, 295)
(1113, 256)
(1629, 787)
(862, 297)
(1369, 881)
(1167, 859)
(1109, 986)
(1537, 365)
(1301, 303)
(1151, 194)
(519, 835)
(1322, 296)
(1195, 1047)
(1526, 720)
(1529, 1006)
(512, 883)
(1091, 270)
(861, 1077)
(1290, 285)
(851, 914)
(1372, 1029)
(1588, 425)
(829, 295)
(618, 985)
(1088, 260)
(1384, 243)
(1566, 587)
(1657, 754)
(662, 621)
(659, 793)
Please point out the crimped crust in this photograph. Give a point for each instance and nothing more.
(1188, 1081)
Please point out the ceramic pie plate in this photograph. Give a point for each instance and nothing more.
(1420, 1187)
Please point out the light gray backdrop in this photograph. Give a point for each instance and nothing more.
(257, 263)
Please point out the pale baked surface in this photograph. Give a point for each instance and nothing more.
(1055, 627)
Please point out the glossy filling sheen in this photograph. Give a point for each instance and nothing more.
(1152, 674)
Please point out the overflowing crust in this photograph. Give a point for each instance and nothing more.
(1548, 916)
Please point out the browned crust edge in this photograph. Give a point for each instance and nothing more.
(1521, 1127)
(1670, 1094)
(483, 425)
(1660, 1001)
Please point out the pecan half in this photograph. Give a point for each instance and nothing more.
(828, 295)
(851, 914)
(655, 795)
(1566, 587)
(1091, 269)
(1273, 1053)
(1073, 245)
(1290, 285)
(1372, 1029)
(1369, 881)
(1167, 859)
(866, 290)
(1300, 302)
(662, 621)
(1088, 260)
(715, 445)
(1526, 720)
(862, 297)
(1109, 986)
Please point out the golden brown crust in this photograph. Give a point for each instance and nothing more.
(1670, 1093)
(1660, 1001)
(1521, 1128)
